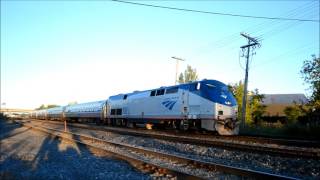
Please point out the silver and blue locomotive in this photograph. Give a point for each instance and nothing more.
(206, 104)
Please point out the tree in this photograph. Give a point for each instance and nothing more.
(311, 74)
(237, 91)
(43, 106)
(255, 108)
(294, 112)
(72, 103)
(188, 76)
(181, 79)
(52, 106)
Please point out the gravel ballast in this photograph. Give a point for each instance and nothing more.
(295, 167)
(28, 154)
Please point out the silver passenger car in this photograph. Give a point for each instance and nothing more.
(55, 113)
(90, 110)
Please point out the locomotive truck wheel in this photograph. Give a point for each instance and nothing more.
(124, 122)
(184, 125)
(131, 124)
(176, 124)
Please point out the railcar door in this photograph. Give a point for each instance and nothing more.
(185, 103)
(184, 123)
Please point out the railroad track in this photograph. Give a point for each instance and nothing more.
(174, 164)
(259, 145)
(279, 141)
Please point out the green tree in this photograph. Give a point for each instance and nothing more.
(294, 112)
(254, 109)
(311, 74)
(52, 106)
(72, 103)
(43, 106)
(237, 91)
(181, 79)
(189, 75)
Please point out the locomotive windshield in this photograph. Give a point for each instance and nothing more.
(217, 92)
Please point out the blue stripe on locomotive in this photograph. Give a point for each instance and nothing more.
(169, 104)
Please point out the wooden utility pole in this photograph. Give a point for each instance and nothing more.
(64, 119)
(177, 68)
(252, 42)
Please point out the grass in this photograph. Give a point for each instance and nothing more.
(278, 130)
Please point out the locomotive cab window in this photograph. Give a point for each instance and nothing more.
(194, 87)
(172, 90)
(153, 93)
(125, 96)
(160, 92)
(113, 111)
(118, 111)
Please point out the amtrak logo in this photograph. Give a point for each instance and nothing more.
(169, 104)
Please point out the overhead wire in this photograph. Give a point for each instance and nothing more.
(217, 13)
(235, 37)
(289, 53)
(239, 61)
(292, 13)
(305, 12)
(228, 40)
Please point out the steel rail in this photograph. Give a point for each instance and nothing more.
(131, 160)
(214, 142)
(181, 159)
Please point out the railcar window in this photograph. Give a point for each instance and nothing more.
(125, 96)
(119, 112)
(113, 111)
(172, 90)
(153, 93)
(193, 87)
(160, 92)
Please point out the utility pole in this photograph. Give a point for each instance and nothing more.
(177, 67)
(252, 42)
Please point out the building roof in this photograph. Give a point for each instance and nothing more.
(284, 99)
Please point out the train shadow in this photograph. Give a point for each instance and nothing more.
(35, 155)
(8, 128)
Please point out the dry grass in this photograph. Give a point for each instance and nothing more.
(282, 131)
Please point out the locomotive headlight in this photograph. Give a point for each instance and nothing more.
(235, 110)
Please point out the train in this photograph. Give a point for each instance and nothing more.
(203, 105)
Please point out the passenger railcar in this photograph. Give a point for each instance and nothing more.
(55, 113)
(91, 111)
(41, 114)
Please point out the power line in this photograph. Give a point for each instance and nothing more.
(263, 27)
(287, 54)
(217, 13)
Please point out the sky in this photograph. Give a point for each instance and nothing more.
(56, 52)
